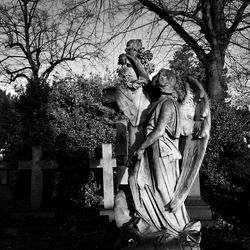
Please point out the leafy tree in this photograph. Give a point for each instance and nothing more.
(32, 105)
(10, 140)
(239, 93)
(226, 145)
(185, 63)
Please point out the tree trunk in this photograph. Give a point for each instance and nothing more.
(214, 71)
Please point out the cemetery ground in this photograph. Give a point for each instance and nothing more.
(59, 225)
(85, 229)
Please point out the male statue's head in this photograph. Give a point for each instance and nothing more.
(133, 47)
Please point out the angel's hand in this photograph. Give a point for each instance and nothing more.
(168, 208)
(171, 208)
(139, 153)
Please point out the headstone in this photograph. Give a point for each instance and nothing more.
(14, 177)
(6, 195)
(107, 163)
(3, 173)
(36, 165)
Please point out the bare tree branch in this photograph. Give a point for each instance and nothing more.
(239, 16)
(35, 38)
(177, 27)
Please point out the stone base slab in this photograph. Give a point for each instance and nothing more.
(108, 212)
(198, 209)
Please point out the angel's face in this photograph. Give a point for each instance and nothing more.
(162, 80)
(165, 80)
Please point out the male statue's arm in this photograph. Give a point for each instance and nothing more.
(159, 130)
(141, 72)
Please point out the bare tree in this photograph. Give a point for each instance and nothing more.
(216, 22)
(209, 27)
(36, 36)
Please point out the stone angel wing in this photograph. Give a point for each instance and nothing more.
(195, 126)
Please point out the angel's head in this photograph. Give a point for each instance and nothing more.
(165, 82)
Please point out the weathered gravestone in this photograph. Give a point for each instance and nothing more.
(5, 191)
(13, 177)
(36, 166)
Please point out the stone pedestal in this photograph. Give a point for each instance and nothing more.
(197, 208)
(108, 212)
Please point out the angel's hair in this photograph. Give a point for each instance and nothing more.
(168, 73)
(167, 86)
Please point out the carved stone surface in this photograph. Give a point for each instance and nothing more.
(162, 132)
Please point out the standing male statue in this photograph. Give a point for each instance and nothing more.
(131, 94)
(166, 161)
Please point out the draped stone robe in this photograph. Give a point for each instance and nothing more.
(154, 177)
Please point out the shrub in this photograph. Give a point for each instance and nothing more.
(77, 117)
(225, 147)
(80, 124)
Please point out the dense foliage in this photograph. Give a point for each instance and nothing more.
(10, 126)
(32, 105)
(78, 118)
(184, 63)
(70, 122)
(68, 115)
(226, 147)
(79, 124)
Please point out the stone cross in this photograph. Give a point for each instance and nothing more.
(36, 165)
(107, 163)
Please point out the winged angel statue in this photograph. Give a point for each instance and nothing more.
(167, 160)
